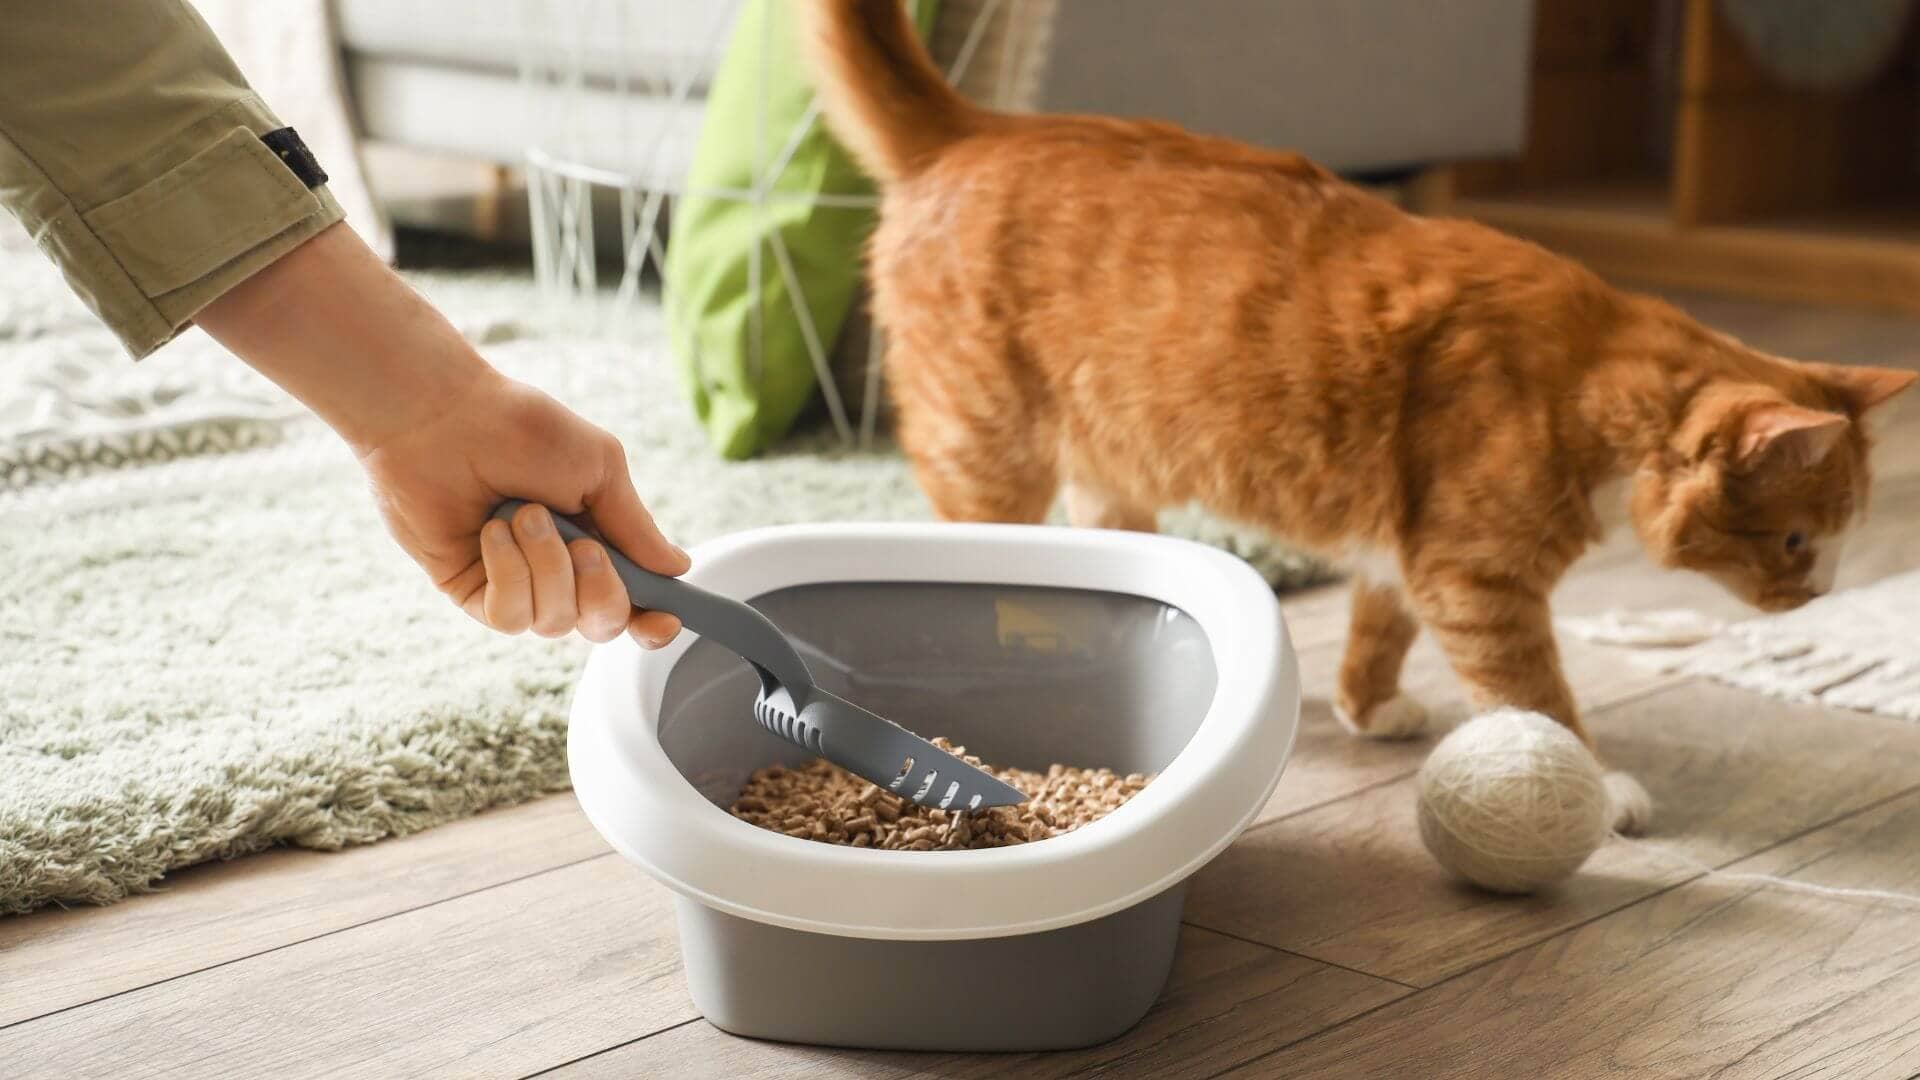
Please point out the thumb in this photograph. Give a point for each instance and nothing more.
(623, 521)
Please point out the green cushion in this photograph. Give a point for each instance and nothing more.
(748, 397)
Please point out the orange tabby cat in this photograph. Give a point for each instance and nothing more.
(1146, 317)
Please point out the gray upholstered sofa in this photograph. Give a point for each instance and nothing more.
(1361, 85)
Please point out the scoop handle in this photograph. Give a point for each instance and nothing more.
(744, 631)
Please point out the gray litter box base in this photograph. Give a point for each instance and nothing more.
(1122, 682)
(1055, 990)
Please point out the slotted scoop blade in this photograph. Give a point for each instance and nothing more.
(792, 707)
(882, 752)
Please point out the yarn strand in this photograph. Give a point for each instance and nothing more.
(1706, 870)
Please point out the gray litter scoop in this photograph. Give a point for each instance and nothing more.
(791, 706)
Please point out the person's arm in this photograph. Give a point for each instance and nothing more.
(445, 438)
(167, 192)
(136, 155)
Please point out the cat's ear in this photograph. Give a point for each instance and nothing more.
(1862, 388)
(1787, 433)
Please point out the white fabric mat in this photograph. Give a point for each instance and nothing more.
(1855, 649)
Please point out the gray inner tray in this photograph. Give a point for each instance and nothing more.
(1021, 676)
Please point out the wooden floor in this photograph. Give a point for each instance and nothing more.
(1323, 943)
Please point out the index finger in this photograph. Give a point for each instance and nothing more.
(623, 521)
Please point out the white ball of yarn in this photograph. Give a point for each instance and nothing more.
(1512, 801)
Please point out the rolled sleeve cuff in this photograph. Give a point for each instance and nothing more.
(148, 261)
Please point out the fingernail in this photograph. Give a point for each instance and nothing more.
(536, 523)
(682, 552)
(586, 556)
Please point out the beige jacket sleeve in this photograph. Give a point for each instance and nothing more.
(135, 154)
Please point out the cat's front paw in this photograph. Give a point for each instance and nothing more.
(1629, 807)
(1398, 717)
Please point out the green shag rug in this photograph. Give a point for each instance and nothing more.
(208, 646)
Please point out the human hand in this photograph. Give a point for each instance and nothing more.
(437, 484)
(445, 438)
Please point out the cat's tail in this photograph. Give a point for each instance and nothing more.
(878, 88)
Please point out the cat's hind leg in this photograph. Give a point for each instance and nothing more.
(977, 469)
(980, 446)
(984, 487)
(1093, 507)
(1380, 630)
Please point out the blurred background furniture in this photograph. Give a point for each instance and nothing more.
(1365, 86)
(1361, 86)
(1761, 147)
(594, 109)
(760, 267)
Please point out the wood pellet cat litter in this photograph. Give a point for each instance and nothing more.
(821, 801)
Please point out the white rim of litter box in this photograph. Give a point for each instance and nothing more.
(1196, 807)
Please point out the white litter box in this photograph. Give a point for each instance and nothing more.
(1028, 645)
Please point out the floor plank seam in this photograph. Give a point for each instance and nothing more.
(1664, 684)
(300, 941)
(1324, 803)
(1298, 955)
(1417, 991)
(610, 1049)
(1837, 819)
(1362, 1014)
(1571, 927)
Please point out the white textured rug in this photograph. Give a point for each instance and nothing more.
(208, 645)
(1857, 649)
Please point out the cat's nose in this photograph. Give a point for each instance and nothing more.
(1826, 564)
